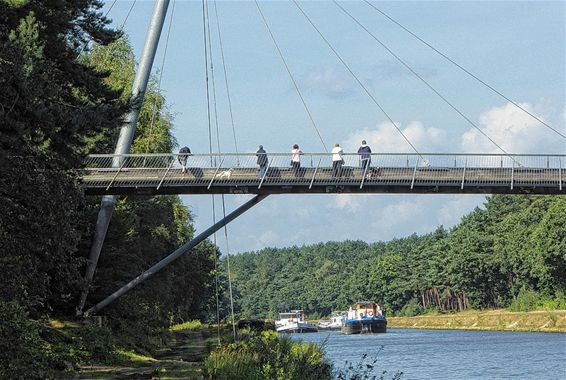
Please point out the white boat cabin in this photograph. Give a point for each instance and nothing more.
(294, 316)
(365, 310)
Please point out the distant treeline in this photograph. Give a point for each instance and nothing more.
(511, 250)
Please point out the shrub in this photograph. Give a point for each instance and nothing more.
(190, 325)
(22, 350)
(411, 309)
(267, 356)
(526, 300)
(556, 303)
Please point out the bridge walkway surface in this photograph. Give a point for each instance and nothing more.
(388, 173)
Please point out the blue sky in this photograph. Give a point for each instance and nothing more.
(516, 46)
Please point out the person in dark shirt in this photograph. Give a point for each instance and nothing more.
(365, 156)
(183, 156)
(261, 161)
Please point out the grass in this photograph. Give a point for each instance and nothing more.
(489, 320)
(189, 325)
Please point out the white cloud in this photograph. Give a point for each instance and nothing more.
(384, 137)
(333, 82)
(347, 202)
(514, 130)
(393, 219)
(451, 211)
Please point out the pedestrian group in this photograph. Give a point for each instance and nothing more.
(263, 162)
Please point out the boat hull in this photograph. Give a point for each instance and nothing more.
(297, 330)
(329, 328)
(364, 326)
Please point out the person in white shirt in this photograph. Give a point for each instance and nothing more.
(337, 160)
(296, 159)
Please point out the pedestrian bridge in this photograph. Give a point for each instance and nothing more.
(152, 174)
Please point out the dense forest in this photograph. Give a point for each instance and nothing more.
(66, 80)
(513, 248)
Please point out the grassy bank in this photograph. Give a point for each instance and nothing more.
(490, 320)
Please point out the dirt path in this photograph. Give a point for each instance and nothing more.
(181, 359)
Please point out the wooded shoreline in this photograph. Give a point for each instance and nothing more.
(488, 320)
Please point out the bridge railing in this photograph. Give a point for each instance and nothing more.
(430, 169)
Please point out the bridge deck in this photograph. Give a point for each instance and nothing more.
(236, 174)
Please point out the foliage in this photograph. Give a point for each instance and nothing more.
(267, 356)
(513, 242)
(526, 300)
(189, 325)
(22, 350)
(49, 105)
(364, 369)
(411, 309)
(143, 230)
(65, 80)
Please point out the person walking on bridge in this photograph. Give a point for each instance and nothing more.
(261, 161)
(182, 157)
(337, 160)
(365, 156)
(296, 159)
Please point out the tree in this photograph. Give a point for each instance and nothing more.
(50, 104)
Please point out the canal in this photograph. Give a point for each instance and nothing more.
(449, 354)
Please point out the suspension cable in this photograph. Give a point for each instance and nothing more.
(128, 15)
(109, 9)
(213, 81)
(204, 32)
(85, 43)
(219, 151)
(290, 75)
(419, 77)
(357, 79)
(226, 79)
(465, 70)
(228, 270)
(154, 111)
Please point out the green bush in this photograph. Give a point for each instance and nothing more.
(22, 350)
(268, 356)
(556, 303)
(411, 309)
(189, 325)
(526, 300)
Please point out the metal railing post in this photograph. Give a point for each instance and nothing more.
(560, 173)
(415, 173)
(124, 159)
(512, 174)
(314, 174)
(215, 172)
(166, 172)
(464, 174)
(266, 171)
(364, 172)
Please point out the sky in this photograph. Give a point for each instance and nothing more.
(518, 47)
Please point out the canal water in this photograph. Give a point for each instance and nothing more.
(449, 354)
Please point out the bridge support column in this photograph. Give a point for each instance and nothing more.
(175, 255)
(126, 137)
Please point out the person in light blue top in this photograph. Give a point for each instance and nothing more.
(365, 156)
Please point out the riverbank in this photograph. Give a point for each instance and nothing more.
(488, 320)
(181, 358)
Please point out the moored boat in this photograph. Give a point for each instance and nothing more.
(294, 322)
(334, 323)
(364, 317)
